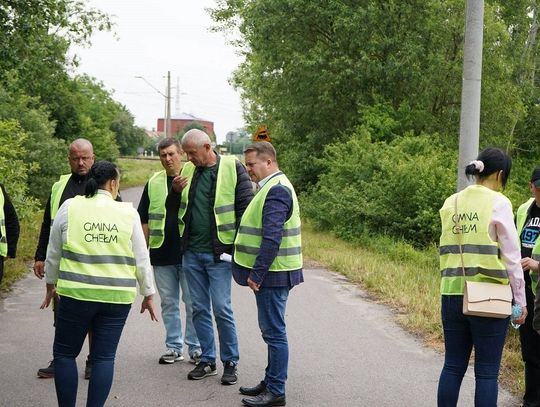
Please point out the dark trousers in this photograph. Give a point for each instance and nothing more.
(1, 268)
(74, 318)
(530, 352)
(461, 334)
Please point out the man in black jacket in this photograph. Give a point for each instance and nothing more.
(215, 191)
(81, 158)
(9, 229)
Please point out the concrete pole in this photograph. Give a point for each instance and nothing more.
(469, 126)
(168, 118)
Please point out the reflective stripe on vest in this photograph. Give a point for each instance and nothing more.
(521, 217)
(481, 256)
(97, 262)
(157, 194)
(224, 213)
(56, 194)
(3, 236)
(249, 238)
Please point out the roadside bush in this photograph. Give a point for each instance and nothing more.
(393, 188)
(46, 153)
(517, 189)
(14, 168)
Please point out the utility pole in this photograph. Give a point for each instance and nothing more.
(469, 126)
(168, 118)
(167, 97)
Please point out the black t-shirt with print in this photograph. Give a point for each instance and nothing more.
(169, 253)
(529, 234)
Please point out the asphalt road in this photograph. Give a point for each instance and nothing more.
(345, 350)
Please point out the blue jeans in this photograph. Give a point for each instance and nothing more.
(169, 281)
(73, 320)
(461, 333)
(210, 288)
(271, 303)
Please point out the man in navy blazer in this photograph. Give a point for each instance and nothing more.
(268, 259)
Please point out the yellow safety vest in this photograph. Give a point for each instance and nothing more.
(3, 237)
(224, 213)
(157, 194)
(480, 253)
(56, 194)
(521, 217)
(249, 238)
(97, 261)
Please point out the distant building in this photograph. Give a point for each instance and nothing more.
(154, 135)
(178, 122)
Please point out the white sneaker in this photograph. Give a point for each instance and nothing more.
(170, 356)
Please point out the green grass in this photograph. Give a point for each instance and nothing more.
(136, 172)
(406, 279)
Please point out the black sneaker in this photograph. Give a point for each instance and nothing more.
(88, 369)
(230, 375)
(202, 370)
(46, 372)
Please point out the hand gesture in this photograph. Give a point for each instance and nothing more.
(529, 264)
(49, 295)
(253, 285)
(521, 319)
(179, 183)
(39, 269)
(148, 304)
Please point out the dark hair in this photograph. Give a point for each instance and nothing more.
(493, 160)
(99, 174)
(264, 148)
(167, 142)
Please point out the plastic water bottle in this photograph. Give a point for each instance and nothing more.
(516, 313)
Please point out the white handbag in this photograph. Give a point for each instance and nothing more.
(484, 299)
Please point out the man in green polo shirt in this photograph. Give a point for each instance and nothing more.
(215, 190)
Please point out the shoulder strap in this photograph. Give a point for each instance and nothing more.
(459, 234)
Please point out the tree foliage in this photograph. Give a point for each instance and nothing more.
(316, 70)
(128, 136)
(325, 73)
(14, 168)
(45, 155)
(396, 191)
(44, 104)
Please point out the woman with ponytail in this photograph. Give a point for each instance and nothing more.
(95, 258)
(478, 239)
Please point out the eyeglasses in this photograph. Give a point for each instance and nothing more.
(77, 159)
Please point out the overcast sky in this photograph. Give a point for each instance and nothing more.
(157, 36)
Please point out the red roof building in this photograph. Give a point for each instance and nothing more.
(178, 122)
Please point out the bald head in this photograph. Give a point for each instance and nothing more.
(81, 156)
(196, 145)
(196, 137)
(81, 143)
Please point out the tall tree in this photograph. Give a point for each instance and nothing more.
(315, 71)
(35, 36)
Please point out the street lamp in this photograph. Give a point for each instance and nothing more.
(167, 101)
